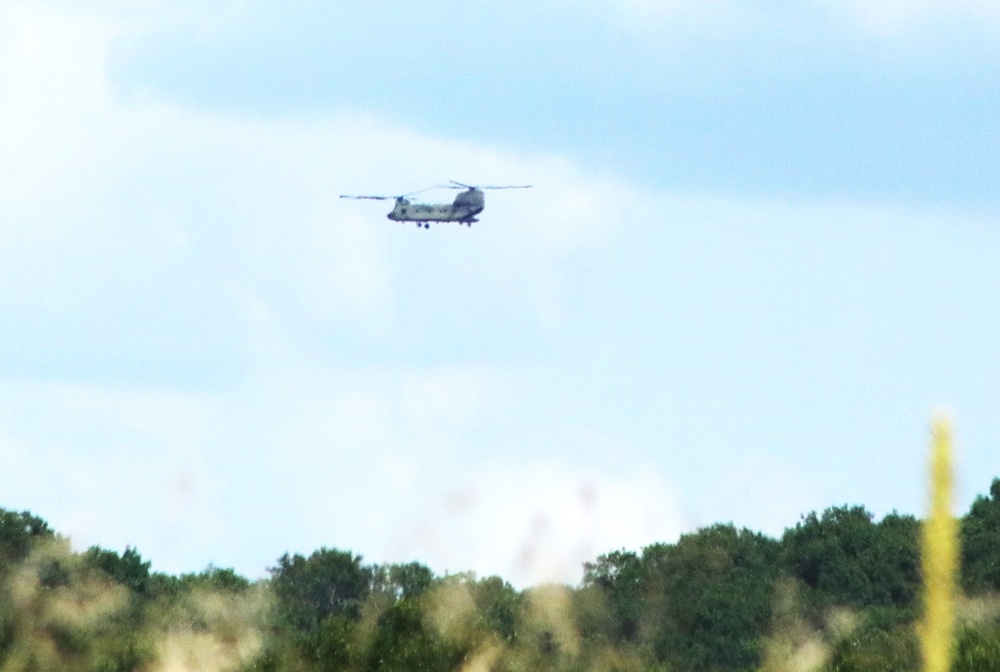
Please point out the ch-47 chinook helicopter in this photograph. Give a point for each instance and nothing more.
(463, 210)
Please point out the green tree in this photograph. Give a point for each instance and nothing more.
(402, 581)
(895, 569)
(217, 579)
(127, 569)
(328, 582)
(335, 647)
(620, 578)
(18, 533)
(499, 606)
(846, 559)
(981, 543)
(405, 643)
(716, 592)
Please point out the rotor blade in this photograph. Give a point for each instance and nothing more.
(370, 198)
(459, 185)
(420, 191)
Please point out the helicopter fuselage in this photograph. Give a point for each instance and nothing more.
(464, 209)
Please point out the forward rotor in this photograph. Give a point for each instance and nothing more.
(386, 198)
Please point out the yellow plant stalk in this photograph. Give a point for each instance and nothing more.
(939, 556)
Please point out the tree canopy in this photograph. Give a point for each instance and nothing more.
(839, 586)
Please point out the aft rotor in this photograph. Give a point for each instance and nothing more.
(458, 185)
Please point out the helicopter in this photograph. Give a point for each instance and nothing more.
(463, 210)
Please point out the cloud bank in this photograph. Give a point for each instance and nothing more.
(210, 356)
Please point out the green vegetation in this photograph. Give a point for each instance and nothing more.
(838, 592)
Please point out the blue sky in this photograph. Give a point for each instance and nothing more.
(761, 249)
(770, 98)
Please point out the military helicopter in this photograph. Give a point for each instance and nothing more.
(463, 210)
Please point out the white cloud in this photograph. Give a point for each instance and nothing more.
(875, 19)
(138, 224)
(537, 521)
(900, 16)
(113, 467)
(376, 462)
(769, 493)
(115, 202)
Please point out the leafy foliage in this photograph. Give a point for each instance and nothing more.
(329, 582)
(718, 587)
(715, 600)
(981, 543)
(847, 559)
(18, 534)
(978, 650)
(127, 569)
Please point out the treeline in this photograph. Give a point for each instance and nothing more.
(838, 592)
